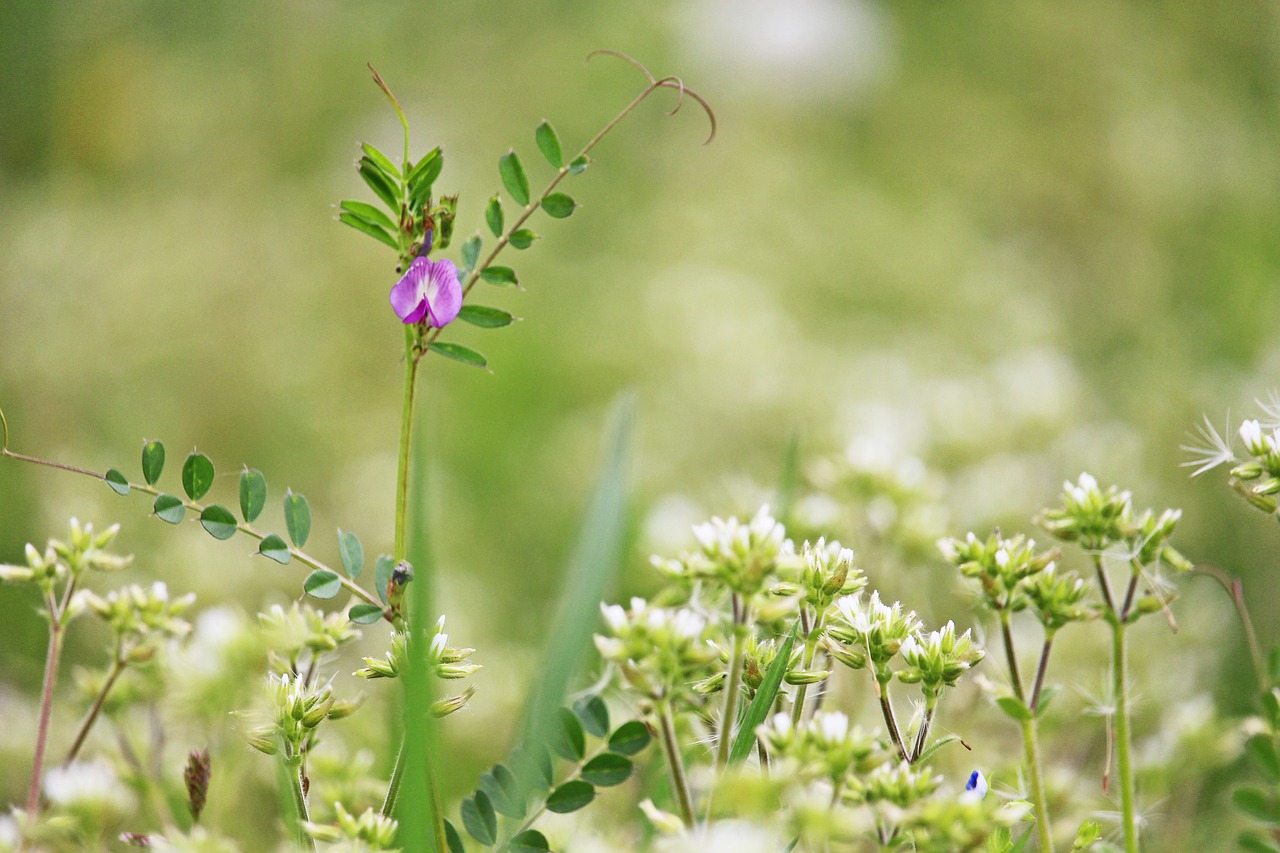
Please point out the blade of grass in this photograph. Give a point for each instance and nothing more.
(593, 567)
(745, 740)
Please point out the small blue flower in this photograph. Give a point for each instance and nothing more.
(977, 785)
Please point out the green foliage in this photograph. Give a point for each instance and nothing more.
(274, 548)
(118, 482)
(169, 508)
(152, 461)
(218, 521)
(458, 352)
(493, 215)
(253, 494)
(549, 143)
(485, 317)
(322, 584)
(297, 517)
(352, 553)
(197, 476)
(559, 205)
(514, 177)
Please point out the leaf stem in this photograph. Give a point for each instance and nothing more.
(890, 721)
(1041, 670)
(806, 663)
(117, 668)
(197, 508)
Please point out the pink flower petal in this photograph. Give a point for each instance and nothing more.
(444, 292)
(408, 296)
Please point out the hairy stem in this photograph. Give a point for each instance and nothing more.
(1014, 676)
(921, 736)
(406, 440)
(1041, 670)
(294, 771)
(806, 663)
(1124, 747)
(727, 718)
(675, 763)
(393, 786)
(52, 656)
(890, 721)
(1031, 748)
(117, 667)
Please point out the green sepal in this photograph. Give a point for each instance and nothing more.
(514, 178)
(322, 584)
(152, 461)
(218, 521)
(253, 494)
(559, 205)
(549, 143)
(168, 508)
(458, 352)
(118, 482)
(297, 517)
(274, 548)
(197, 475)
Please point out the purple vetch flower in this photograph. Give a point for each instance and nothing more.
(428, 290)
(976, 786)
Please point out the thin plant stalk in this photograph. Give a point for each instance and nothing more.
(675, 763)
(731, 693)
(117, 668)
(1030, 743)
(52, 656)
(1124, 746)
(890, 720)
(1031, 747)
(294, 770)
(810, 646)
(931, 705)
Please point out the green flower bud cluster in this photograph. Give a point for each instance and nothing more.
(1099, 520)
(869, 631)
(757, 656)
(658, 650)
(1000, 565)
(938, 659)
(741, 556)
(826, 573)
(823, 746)
(902, 785)
(951, 824)
(370, 831)
(1258, 480)
(442, 660)
(136, 614)
(297, 709)
(62, 561)
(304, 628)
(1057, 598)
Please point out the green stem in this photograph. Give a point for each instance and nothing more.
(890, 721)
(730, 698)
(1032, 749)
(810, 646)
(52, 656)
(294, 769)
(406, 439)
(196, 508)
(393, 786)
(1011, 656)
(117, 667)
(676, 764)
(1041, 671)
(931, 705)
(1124, 748)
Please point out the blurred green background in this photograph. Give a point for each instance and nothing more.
(1015, 241)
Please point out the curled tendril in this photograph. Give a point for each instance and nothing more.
(671, 82)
